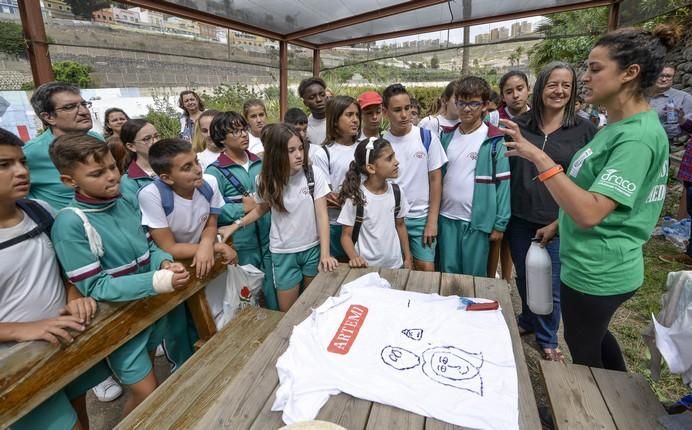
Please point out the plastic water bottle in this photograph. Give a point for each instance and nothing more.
(539, 280)
(671, 113)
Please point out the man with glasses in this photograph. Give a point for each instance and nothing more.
(673, 106)
(62, 110)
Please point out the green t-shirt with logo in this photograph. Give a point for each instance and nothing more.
(627, 162)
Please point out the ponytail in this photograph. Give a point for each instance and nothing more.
(350, 189)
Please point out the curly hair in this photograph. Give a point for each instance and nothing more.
(350, 189)
(107, 130)
(200, 104)
(307, 82)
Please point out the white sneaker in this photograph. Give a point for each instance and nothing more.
(159, 350)
(108, 390)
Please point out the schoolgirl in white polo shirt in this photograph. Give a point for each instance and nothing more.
(373, 212)
(335, 157)
(296, 195)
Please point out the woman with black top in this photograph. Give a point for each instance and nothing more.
(553, 126)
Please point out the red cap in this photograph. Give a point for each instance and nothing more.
(369, 98)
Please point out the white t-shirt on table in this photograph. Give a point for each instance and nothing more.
(255, 144)
(207, 157)
(418, 352)
(296, 229)
(336, 166)
(378, 242)
(414, 165)
(317, 130)
(188, 217)
(31, 287)
(458, 183)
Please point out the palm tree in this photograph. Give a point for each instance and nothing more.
(519, 51)
(512, 58)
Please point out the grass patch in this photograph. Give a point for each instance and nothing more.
(635, 315)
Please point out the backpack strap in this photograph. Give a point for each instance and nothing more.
(230, 177)
(166, 194)
(360, 212)
(493, 158)
(38, 214)
(206, 190)
(168, 199)
(426, 138)
(310, 176)
(358, 223)
(329, 159)
(397, 199)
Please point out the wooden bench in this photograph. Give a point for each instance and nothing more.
(589, 398)
(245, 402)
(187, 394)
(31, 372)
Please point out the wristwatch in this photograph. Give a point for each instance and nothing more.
(239, 222)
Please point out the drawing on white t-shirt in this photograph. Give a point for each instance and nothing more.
(454, 367)
(399, 358)
(413, 333)
(446, 365)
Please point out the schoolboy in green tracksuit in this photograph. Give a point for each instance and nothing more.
(475, 204)
(228, 130)
(104, 251)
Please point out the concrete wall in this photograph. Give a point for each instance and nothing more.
(178, 61)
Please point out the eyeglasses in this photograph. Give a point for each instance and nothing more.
(73, 106)
(149, 139)
(662, 76)
(473, 105)
(237, 132)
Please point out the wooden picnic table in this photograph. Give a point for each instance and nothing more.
(244, 401)
(588, 398)
(31, 372)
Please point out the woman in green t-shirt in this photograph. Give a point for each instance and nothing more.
(611, 195)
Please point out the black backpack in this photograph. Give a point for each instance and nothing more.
(39, 214)
(360, 210)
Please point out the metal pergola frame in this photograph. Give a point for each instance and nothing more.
(37, 41)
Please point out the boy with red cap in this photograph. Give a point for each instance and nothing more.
(370, 114)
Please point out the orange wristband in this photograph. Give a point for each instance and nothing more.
(550, 173)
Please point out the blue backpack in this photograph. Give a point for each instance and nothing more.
(166, 192)
(426, 138)
(39, 214)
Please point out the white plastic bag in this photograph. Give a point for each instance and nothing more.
(243, 288)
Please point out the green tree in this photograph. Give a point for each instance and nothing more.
(512, 58)
(434, 62)
(570, 36)
(74, 73)
(12, 39)
(84, 8)
(164, 117)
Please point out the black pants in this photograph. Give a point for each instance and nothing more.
(586, 318)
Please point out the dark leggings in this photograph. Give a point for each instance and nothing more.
(585, 318)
